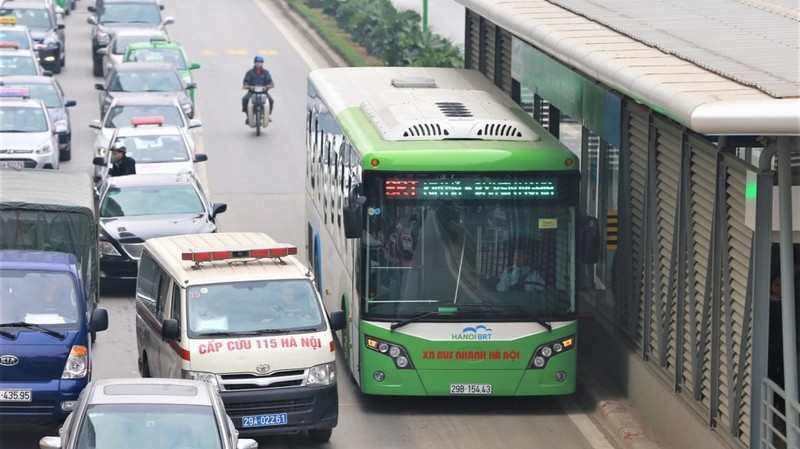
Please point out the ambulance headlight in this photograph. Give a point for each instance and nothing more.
(200, 375)
(321, 375)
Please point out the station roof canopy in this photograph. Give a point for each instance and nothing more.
(723, 67)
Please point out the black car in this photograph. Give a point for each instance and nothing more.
(46, 28)
(49, 91)
(145, 78)
(108, 16)
(135, 208)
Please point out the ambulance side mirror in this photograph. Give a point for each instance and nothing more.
(170, 330)
(337, 320)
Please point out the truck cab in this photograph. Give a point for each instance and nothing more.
(46, 321)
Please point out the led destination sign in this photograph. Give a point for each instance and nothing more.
(469, 188)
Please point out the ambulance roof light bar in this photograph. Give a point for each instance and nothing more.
(212, 255)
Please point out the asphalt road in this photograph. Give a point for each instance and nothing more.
(261, 179)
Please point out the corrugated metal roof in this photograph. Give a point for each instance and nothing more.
(756, 43)
(731, 52)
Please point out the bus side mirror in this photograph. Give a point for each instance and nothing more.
(590, 240)
(352, 215)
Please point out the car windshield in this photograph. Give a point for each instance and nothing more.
(34, 19)
(156, 148)
(146, 81)
(159, 54)
(130, 13)
(154, 426)
(22, 120)
(252, 306)
(121, 115)
(20, 37)
(44, 298)
(151, 200)
(17, 65)
(45, 92)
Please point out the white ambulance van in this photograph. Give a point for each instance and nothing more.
(238, 311)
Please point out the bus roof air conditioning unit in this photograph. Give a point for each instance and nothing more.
(450, 114)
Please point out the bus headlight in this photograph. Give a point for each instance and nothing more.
(551, 349)
(398, 353)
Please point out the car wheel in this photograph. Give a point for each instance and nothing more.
(320, 435)
(97, 66)
(144, 369)
(56, 68)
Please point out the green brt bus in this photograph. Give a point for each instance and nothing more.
(445, 221)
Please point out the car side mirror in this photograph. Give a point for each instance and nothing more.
(60, 26)
(99, 320)
(195, 123)
(60, 129)
(95, 124)
(99, 86)
(99, 161)
(92, 20)
(191, 85)
(218, 208)
(194, 66)
(337, 319)
(169, 20)
(91, 8)
(70, 103)
(200, 157)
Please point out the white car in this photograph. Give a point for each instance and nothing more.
(27, 136)
(156, 148)
(122, 111)
(113, 53)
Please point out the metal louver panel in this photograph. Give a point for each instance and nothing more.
(488, 56)
(504, 74)
(638, 123)
(472, 50)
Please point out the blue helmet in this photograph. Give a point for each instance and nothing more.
(258, 58)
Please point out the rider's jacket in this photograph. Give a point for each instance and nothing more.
(257, 77)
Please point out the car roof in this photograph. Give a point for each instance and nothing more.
(139, 66)
(26, 79)
(149, 391)
(150, 179)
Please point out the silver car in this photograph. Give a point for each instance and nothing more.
(27, 136)
(148, 413)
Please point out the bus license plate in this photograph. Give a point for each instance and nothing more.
(275, 419)
(15, 396)
(470, 389)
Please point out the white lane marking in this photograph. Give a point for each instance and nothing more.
(288, 35)
(593, 435)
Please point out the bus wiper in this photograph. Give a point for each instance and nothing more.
(545, 324)
(439, 311)
(37, 327)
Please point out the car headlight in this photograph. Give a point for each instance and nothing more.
(107, 249)
(44, 149)
(200, 375)
(51, 40)
(77, 363)
(321, 375)
(187, 109)
(59, 123)
(186, 79)
(103, 38)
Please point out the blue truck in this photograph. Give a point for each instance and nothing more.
(49, 251)
(45, 333)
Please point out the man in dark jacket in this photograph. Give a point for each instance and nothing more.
(121, 164)
(257, 76)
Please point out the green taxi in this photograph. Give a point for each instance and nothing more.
(161, 50)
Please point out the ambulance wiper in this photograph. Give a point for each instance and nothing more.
(217, 334)
(439, 311)
(268, 331)
(34, 326)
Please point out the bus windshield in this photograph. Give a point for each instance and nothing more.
(491, 247)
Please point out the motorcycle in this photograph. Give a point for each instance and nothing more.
(257, 109)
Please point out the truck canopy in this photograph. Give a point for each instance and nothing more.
(52, 211)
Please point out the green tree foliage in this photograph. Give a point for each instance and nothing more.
(392, 35)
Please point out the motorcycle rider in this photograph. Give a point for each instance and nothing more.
(257, 76)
